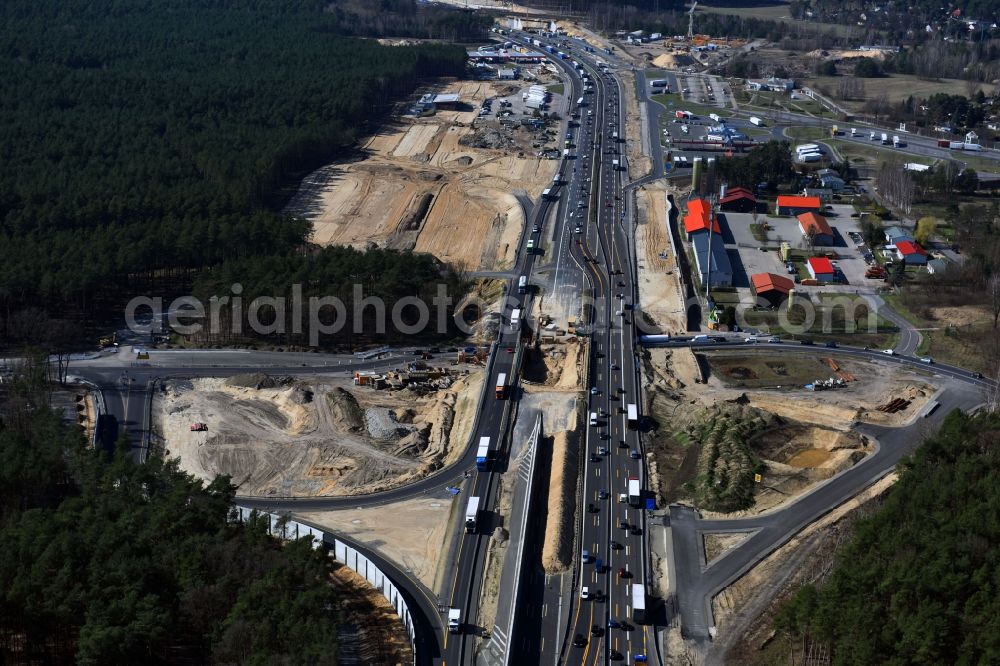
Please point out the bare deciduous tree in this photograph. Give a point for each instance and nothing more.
(896, 186)
(994, 291)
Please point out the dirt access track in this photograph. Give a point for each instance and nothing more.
(418, 188)
(313, 436)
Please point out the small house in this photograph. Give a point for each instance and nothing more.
(820, 269)
(910, 253)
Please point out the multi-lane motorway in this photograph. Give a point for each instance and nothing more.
(583, 232)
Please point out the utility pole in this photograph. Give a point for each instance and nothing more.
(713, 200)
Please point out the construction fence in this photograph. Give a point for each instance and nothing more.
(284, 528)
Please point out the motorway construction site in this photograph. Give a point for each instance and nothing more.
(807, 438)
(443, 184)
(285, 436)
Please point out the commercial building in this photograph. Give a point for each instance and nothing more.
(738, 200)
(795, 205)
(507, 74)
(911, 253)
(820, 269)
(770, 288)
(817, 225)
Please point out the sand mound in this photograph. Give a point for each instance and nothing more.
(254, 380)
(558, 547)
(672, 61)
(347, 414)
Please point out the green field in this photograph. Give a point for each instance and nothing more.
(962, 346)
(555, 89)
(807, 133)
(775, 12)
(699, 110)
(767, 371)
(861, 153)
(896, 87)
(773, 101)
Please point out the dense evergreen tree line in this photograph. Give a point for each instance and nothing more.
(408, 18)
(140, 139)
(110, 562)
(770, 163)
(919, 583)
(350, 276)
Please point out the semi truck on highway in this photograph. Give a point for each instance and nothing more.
(885, 139)
(522, 284)
(454, 620)
(501, 386)
(633, 416)
(638, 603)
(634, 493)
(515, 316)
(471, 515)
(483, 454)
(754, 120)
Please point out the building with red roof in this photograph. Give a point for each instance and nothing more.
(910, 252)
(817, 224)
(770, 288)
(696, 219)
(794, 205)
(738, 200)
(820, 268)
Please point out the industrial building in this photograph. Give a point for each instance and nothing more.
(817, 225)
(770, 288)
(696, 219)
(430, 103)
(710, 249)
(795, 205)
(737, 200)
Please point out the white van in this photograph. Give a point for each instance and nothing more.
(700, 338)
(593, 418)
(750, 338)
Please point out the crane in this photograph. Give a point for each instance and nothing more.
(691, 19)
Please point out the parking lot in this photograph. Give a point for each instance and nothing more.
(751, 259)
